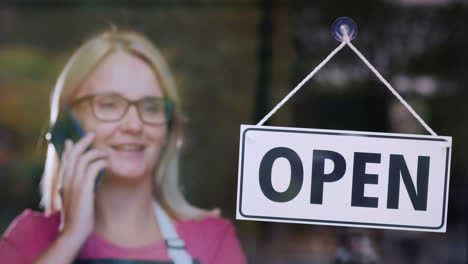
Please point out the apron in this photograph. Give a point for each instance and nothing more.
(175, 245)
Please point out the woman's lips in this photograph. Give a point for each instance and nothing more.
(129, 151)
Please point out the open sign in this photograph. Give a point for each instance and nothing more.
(346, 178)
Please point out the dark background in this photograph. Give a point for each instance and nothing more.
(233, 61)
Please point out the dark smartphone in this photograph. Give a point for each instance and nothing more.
(67, 127)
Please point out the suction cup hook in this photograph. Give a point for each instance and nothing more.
(344, 25)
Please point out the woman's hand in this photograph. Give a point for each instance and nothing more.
(78, 171)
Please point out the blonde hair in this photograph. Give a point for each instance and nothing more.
(80, 65)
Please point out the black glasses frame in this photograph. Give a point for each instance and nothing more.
(169, 106)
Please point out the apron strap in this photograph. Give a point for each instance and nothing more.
(175, 245)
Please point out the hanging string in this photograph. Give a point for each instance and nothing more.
(389, 86)
(347, 41)
(299, 86)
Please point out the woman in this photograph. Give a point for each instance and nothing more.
(121, 91)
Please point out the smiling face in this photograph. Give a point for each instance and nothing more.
(133, 146)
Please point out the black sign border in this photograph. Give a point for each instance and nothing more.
(359, 224)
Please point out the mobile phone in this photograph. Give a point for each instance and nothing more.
(67, 127)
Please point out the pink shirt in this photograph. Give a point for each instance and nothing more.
(211, 241)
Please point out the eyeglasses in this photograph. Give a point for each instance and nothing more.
(112, 107)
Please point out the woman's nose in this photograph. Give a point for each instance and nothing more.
(131, 121)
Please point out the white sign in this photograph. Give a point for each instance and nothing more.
(343, 178)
